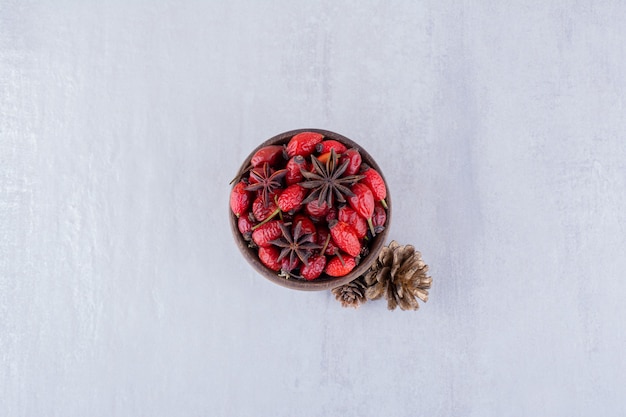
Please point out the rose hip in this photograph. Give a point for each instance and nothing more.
(363, 203)
(332, 214)
(327, 145)
(270, 154)
(291, 198)
(269, 257)
(308, 228)
(314, 209)
(324, 239)
(303, 144)
(244, 224)
(260, 211)
(359, 224)
(287, 265)
(354, 157)
(294, 167)
(314, 268)
(375, 182)
(336, 268)
(345, 237)
(239, 198)
(379, 218)
(267, 232)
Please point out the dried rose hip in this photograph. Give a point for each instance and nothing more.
(331, 215)
(326, 242)
(308, 227)
(336, 268)
(379, 218)
(269, 257)
(269, 154)
(303, 144)
(244, 224)
(375, 183)
(314, 268)
(354, 158)
(291, 198)
(345, 237)
(288, 265)
(266, 233)
(363, 203)
(359, 224)
(294, 168)
(317, 210)
(239, 198)
(327, 145)
(260, 210)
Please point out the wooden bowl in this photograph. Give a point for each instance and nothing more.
(324, 282)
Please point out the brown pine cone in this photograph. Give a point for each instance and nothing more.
(400, 275)
(351, 294)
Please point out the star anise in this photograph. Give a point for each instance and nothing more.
(297, 245)
(266, 180)
(326, 181)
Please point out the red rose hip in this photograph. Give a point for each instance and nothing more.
(354, 157)
(375, 183)
(359, 224)
(308, 228)
(294, 169)
(260, 210)
(327, 145)
(379, 218)
(269, 257)
(314, 209)
(291, 198)
(239, 198)
(336, 268)
(325, 241)
(345, 237)
(303, 144)
(314, 268)
(288, 265)
(363, 203)
(244, 224)
(270, 154)
(267, 232)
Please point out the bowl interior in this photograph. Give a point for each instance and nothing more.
(324, 282)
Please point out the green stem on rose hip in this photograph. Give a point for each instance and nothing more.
(270, 217)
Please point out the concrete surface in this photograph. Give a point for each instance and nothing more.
(500, 127)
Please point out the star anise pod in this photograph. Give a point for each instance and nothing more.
(327, 183)
(266, 180)
(295, 245)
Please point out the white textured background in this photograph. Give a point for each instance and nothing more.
(501, 129)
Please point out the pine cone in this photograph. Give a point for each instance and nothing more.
(351, 294)
(400, 275)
